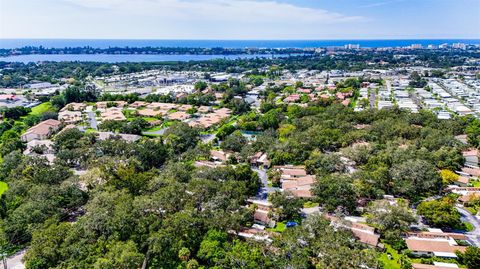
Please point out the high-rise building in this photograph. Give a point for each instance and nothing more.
(352, 46)
(461, 46)
(443, 46)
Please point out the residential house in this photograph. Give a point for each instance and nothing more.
(204, 109)
(148, 112)
(45, 145)
(293, 98)
(179, 115)
(260, 159)
(114, 114)
(181, 95)
(296, 181)
(471, 157)
(106, 104)
(138, 104)
(184, 107)
(41, 131)
(473, 172)
(218, 96)
(306, 91)
(210, 119)
(110, 135)
(360, 230)
(219, 156)
(467, 194)
(299, 187)
(263, 210)
(254, 234)
(161, 106)
(435, 243)
(208, 164)
(70, 117)
(436, 265)
(41, 148)
(74, 107)
(437, 233)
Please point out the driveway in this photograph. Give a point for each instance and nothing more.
(372, 98)
(92, 118)
(262, 174)
(207, 138)
(311, 210)
(15, 261)
(474, 235)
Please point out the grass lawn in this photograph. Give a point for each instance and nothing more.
(151, 135)
(469, 227)
(310, 204)
(476, 184)
(230, 121)
(42, 108)
(3, 187)
(472, 210)
(394, 262)
(149, 119)
(280, 227)
(90, 130)
(154, 129)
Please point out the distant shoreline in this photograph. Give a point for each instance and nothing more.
(226, 44)
(123, 58)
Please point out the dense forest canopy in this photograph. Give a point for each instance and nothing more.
(146, 203)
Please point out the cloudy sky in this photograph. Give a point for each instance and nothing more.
(240, 19)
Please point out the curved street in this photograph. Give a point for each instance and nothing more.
(262, 173)
(474, 235)
(15, 261)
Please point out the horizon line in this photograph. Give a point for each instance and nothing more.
(213, 39)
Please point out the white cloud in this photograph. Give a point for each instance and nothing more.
(384, 3)
(241, 11)
(172, 19)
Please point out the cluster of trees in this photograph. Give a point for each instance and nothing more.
(18, 74)
(416, 81)
(395, 152)
(359, 157)
(473, 131)
(16, 121)
(149, 50)
(75, 94)
(441, 213)
(133, 127)
(15, 113)
(146, 203)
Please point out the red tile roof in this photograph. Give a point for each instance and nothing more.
(425, 245)
(44, 127)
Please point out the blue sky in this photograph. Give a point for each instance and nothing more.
(240, 19)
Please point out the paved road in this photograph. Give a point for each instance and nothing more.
(474, 235)
(159, 132)
(207, 138)
(91, 118)
(389, 85)
(372, 98)
(311, 210)
(263, 177)
(15, 261)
